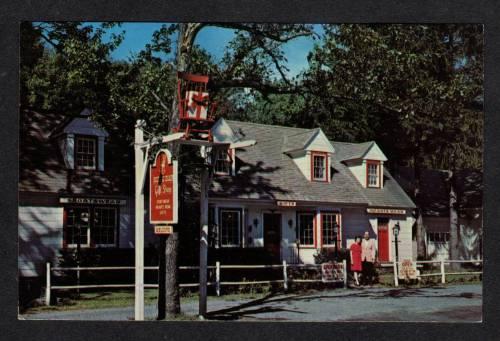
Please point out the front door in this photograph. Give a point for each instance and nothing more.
(272, 234)
(383, 239)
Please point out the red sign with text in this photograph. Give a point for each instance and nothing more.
(163, 189)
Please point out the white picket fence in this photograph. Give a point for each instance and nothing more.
(218, 283)
(218, 267)
(442, 272)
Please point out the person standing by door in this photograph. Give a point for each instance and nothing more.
(368, 259)
(356, 258)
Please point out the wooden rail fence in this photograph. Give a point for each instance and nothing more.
(218, 282)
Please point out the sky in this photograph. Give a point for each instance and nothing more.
(212, 39)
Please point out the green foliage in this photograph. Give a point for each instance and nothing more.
(425, 79)
(416, 89)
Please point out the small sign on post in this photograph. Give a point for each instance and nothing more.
(408, 269)
(332, 272)
(164, 229)
(163, 200)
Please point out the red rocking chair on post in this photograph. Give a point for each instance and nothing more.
(196, 111)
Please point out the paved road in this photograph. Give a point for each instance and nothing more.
(443, 304)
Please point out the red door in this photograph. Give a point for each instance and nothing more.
(383, 240)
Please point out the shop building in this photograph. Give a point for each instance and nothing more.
(295, 192)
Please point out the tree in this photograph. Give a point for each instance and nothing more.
(425, 79)
(246, 64)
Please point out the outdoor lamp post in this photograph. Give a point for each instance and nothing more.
(395, 231)
(335, 233)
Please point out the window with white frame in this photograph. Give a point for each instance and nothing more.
(328, 221)
(104, 229)
(77, 226)
(373, 174)
(319, 167)
(306, 228)
(229, 227)
(86, 152)
(90, 226)
(223, 162)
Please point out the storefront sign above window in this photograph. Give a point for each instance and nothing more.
(385, 211)
(92, 201)
(286, 203)
(163, 189)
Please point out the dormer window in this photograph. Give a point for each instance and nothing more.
(86, 152)
(223, 163)
(319, 165)
(373, 174)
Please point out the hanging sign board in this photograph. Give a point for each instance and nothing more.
(408, 269)
(163, 200)
(332, 272)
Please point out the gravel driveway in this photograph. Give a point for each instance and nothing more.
(459, 303)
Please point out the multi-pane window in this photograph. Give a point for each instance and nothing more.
(78, 226)
(306, 228)
(85, 152)
(213, 233)
(230, 227)
(104, 229)
(89, 226)
(223, 162)
(319, 167)
(438, 237)
(329, 230)
(373, 174)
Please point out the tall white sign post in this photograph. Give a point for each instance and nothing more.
(139, 221)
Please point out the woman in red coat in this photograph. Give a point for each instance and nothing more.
(356, 258)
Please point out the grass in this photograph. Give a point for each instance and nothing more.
(125, 298)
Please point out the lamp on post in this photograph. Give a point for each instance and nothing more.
(395, 231)
(335, 234)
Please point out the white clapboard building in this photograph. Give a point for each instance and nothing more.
(281, 196)
(73, 189)
(285, 193)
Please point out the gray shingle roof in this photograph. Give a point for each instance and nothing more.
(42, 168)
(299, 140)
(266, 172)
(351, 151)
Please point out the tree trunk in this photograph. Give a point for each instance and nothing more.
(421, 245)
(453, 224)
(161, 278)
(168, 294)
(173, 305)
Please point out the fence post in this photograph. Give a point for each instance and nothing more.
(47, 286)
(217, 278)
(443, 276)
(395, 267)
(344, 268)
(285, 276)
